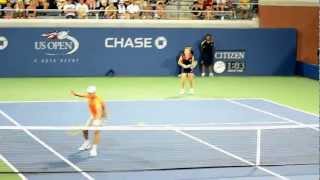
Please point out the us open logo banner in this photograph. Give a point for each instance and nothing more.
(229, 61)
(57, 43)
(56, 47)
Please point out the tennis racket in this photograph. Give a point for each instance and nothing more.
(194, 64)
(76, 132)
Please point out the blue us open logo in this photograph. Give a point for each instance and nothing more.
(57, 43)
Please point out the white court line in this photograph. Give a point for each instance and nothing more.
(163, 99)
(258, 148)
(229, 154)
(221, 124)
(271, 114)
(290, 107)
(14, 169)
(158, 128)
(47, 146)
(131, 100)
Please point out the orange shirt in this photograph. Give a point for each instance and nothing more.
(96, 106)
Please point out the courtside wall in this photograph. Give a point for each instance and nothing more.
(141, 51)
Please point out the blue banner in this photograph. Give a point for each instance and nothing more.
(140, 51)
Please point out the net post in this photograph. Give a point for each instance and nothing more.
(258, 152)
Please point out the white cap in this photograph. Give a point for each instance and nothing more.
(91, 89)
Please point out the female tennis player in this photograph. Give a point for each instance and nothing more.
(97, 111)
(187, 63)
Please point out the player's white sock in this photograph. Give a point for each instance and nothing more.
(191, 91)
(181, 91)
(211, 74)
(93, 151)
(85, 146)
(203, 74)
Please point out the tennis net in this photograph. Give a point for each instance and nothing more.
(143, 148)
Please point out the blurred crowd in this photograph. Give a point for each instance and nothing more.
(107, 9)
(118, 9)
(213, 9)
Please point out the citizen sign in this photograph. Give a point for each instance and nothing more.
(138, 42)
(57, 43)
(229, 55)
(230, 61)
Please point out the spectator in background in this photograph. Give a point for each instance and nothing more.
(42, 5)
(102, 5)
(91, 4)
(19, 9)
(160, 10)
(207, 3)
(3, 3)
(82, 9)
(127, 3)
(196, 11)
(8, 11)
(122, 11)
(69, 10)
(254, 7)
(32, 9)
(13, 2)
(115, 2)
(60, 4)
(209, 13)
(220, 5)
(201, 3)
(134, 10)
(244, 9)
(52, 4)
(26, 3)
(207, 55)
(110, 12)
(147, 10)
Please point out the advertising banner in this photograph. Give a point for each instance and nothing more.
(141, 51)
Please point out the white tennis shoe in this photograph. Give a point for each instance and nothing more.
(85, 146)
(210, 74)
(191, 91)
(203, 74)
(182, 91)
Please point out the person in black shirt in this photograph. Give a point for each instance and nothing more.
(207, 55)
(196, 11)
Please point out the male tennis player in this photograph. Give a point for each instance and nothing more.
(97, 114)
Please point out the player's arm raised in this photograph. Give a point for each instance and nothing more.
(78, 95)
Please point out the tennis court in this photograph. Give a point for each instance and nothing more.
(236, 138)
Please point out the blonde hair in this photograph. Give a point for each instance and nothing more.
(188, 49)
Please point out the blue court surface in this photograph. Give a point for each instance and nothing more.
(251, 139)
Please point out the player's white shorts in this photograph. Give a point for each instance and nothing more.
(94, 122)
(221, 1)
